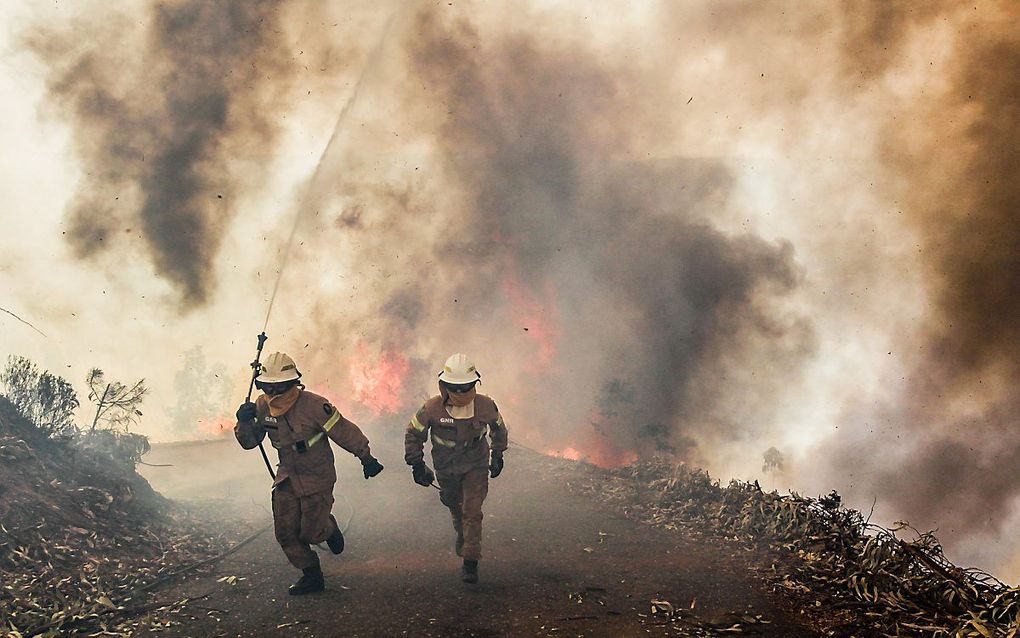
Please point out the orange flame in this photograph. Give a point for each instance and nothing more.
(377, 379)
(568, 453)
(597, 451)
(213, 428)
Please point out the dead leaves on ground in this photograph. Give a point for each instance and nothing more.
(885, 584)
(74, 551)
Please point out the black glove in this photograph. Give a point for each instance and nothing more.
(422, 474)
(495, 465)
(371, 466)
(246, 412)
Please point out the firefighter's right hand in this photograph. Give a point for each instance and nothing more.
(246, 412)
(422, 474)
(371, 466)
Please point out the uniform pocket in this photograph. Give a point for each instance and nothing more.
(475, 433)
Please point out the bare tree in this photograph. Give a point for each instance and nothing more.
(44, 399)
(116, 403)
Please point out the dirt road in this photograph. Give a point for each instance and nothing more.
(555, 565)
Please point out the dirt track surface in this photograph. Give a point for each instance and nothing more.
(555, 565)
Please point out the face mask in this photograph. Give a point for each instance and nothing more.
(280, 403)
(461, 399)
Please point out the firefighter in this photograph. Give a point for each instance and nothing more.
(299, 424)
(461, 422)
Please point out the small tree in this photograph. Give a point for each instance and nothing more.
(44, 399)
(773, 462)
(124, 448)
(197, 387)
(116, 404)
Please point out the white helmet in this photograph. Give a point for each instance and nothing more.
(458, 370)
(277, 369)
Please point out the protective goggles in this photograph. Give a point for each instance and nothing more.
(273, 389)
(459, 388)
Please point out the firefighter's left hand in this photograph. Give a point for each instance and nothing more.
(495, 465)
(371, 466)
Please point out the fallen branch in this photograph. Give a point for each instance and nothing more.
(119, 611)
(930, 563)
(211, 559)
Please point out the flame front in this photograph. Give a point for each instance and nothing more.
(377, 379)
(597, 450)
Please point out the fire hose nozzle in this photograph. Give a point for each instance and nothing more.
(258, 355)
(255, 369)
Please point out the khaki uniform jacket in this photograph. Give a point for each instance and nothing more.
(458, 445)
(310, 471)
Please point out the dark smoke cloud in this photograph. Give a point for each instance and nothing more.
(873, 33)
(159, 122)
(957, 442)
(942, 76)
(974, 237)
(647, 295)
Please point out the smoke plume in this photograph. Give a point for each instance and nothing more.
(956, 465)
(166, 122)
(587, 279)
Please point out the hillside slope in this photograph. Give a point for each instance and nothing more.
(80, 534)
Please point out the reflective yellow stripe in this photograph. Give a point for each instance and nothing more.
(326, 427)
(333, 420)
(443, 442)
(416, 424)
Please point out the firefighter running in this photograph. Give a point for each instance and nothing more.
(459, 420)
(299, 423)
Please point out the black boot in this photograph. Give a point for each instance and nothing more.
(458, 546)
(311, 581)
(336, 539)
(469, 572)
